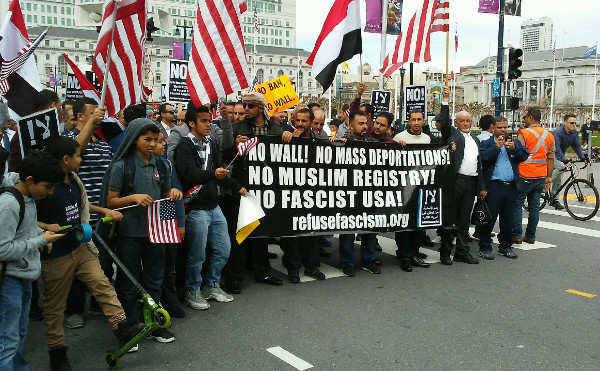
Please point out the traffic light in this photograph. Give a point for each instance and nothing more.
(513, 103)
(514, 62)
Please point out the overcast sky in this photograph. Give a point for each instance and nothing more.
(575, 24)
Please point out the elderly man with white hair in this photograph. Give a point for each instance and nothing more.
(469, 181)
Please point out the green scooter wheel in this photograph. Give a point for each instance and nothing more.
(162, 317)
(111, 362)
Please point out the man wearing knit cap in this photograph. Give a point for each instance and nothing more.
(257, 122)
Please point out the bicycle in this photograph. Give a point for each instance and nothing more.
(580, 197)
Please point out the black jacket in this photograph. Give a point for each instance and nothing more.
(191, 174)
(452, 134)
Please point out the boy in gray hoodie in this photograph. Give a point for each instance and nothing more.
(20, 245)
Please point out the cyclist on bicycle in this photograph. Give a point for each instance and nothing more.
(564, 137)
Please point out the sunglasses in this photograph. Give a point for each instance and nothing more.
(249, 105)
(172, 112)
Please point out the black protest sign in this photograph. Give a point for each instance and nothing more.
(415, 98)
(163, 93)
(381, 101)
(177, 90)
(73, 89)
(93, 78)
(316, 187)
(35, 131)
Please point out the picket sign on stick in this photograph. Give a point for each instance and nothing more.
(110, 47)
(134, 205)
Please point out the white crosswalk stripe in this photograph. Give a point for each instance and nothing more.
(388, 245)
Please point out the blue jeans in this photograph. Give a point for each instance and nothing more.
(368, 244)
(135, 254)
(532, 189)
(15, 299)
(204, 226)
(501, 201)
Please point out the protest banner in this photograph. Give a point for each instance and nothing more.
(381, 101)
(415, 98)
(310, 187)
(279, 94)
(177, 90)
(36, 130)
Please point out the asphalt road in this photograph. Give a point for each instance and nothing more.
(500, 314)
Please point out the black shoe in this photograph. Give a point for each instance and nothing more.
(293, 276)
(127, 331)
(405, 265)
(272, 255)
(378, 247)
(161, 335)
(233, 286)
(348, 271)
(371, 267)
(558, 206)
(487, 255)
(324, 241)
(175, 311)
(509, 253)
(35, 312)
(445, 259)
(421, 255)
(314, 273)
(416, 262)
(270, 280)
(59, 360)
(469, 259)
(427, 242)
(323, 253)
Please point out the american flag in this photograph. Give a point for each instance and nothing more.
(413, 44)
(245, 147)
(217, 64)
(162, 224)
(254, 84)
(256, 21)
(455, 43)
(12, 66)
(124, 31)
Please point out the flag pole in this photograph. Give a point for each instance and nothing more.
(361, 67)
(551, 123)
(384, 12)
(110, 47)
(454, 72)
(447, 53)
(595, 84)
(134, 205)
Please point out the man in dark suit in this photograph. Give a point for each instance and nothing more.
(466, 165)
(500, 156)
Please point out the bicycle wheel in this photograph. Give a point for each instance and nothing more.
(581, 199)
(543, 200)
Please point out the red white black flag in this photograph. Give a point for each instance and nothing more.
(340, 40)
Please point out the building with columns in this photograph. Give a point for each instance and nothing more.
(79, 45)
(574, 84)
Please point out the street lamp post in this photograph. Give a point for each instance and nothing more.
(177, 33)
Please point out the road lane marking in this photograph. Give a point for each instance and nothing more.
(563, 213)
(289, 358)
(566, 228)
(580, 293)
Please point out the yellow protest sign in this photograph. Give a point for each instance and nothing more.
(279, 94)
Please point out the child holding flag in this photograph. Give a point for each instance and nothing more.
(136, 176)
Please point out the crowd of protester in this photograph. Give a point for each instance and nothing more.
(182, 155)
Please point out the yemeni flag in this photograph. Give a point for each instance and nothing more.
(26, 81)
(340, 40)
(86, 87)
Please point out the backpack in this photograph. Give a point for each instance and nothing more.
(21, 200)
(129, 175)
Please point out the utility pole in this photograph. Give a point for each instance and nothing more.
(500, 56)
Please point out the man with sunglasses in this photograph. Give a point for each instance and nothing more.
(256, 123)
(564, 137)
(168, 118)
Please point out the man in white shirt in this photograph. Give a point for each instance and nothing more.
(468, 181)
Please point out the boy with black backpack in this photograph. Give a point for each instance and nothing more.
(20, 243)
(70, 259)
(137, 176)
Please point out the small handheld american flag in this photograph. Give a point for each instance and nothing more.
(162, 224)
(245, 147)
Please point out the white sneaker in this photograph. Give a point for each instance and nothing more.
(195, 300)
(218, 294)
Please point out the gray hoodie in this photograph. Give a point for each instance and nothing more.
(19, 248)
